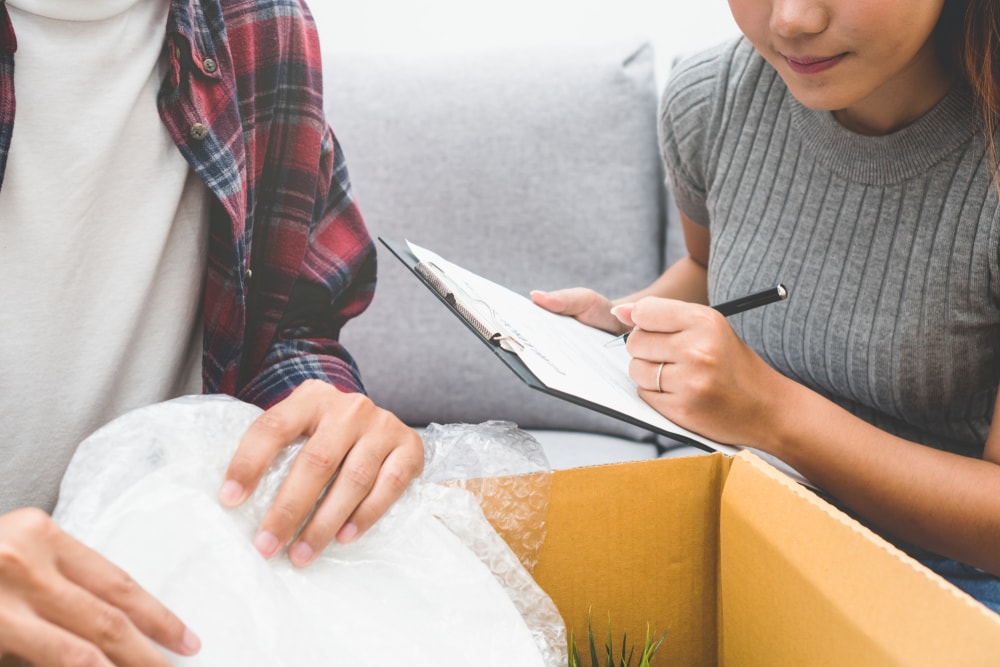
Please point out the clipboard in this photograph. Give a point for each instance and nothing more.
(461, 291)
(504, 344)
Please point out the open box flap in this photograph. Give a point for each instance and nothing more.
(638, 542)
(804, 584)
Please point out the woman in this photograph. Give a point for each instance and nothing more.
(846, 150)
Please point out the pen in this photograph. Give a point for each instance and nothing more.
(727, 308)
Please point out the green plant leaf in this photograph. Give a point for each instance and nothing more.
(625, 652)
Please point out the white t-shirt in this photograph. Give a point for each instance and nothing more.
(103, 238)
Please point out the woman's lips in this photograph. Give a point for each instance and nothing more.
(812, 65)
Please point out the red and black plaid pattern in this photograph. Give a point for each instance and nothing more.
(290, 259)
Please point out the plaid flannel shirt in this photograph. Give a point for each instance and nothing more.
(290, 259)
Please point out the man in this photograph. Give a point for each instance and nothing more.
(175, 217)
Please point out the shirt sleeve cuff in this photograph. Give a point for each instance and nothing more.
(277, 381)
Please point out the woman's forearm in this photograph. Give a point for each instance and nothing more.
(943, 502)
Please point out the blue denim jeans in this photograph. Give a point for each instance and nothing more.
(980, 585)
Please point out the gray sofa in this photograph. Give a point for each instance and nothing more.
(536, 169)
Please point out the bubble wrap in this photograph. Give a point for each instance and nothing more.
(432, 583)
(473, 457)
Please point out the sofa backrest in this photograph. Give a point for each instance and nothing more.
(536, 169)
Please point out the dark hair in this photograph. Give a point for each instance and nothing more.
(968, 37)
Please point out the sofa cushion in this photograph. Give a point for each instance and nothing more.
(536, 169)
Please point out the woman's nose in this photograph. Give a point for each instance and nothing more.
(795, 18)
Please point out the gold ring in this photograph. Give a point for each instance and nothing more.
(659, 370)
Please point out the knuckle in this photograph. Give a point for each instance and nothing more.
(273, 422)
(700, 354)
(397, 478)
(700, 386)
(705, 315)
(317, 458)
(313, 388)
(14, 565)
(357, 404)
(111, 625)
(360, 475)
(287, 513)
(123, 586)
(35, 523)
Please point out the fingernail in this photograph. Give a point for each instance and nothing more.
(615, 309)
(623, 311)
(266, 543)
(190, 644)
(231, 493)
(347, 533)
(301, 554)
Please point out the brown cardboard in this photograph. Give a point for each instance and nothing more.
(638, 542)
(804, 584)
(745, 567)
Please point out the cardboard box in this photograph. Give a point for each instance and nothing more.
(744, 567)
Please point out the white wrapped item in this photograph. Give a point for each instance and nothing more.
(143, 491)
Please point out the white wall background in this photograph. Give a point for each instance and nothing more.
(675, 27)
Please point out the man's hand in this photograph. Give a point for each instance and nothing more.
(369, 455)
(63, 604)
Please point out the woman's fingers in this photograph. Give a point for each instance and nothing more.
(586, 305)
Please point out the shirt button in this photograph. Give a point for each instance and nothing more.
(249, 274)
(209, 65)
(199, 132)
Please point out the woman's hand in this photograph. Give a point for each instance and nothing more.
(63, 604)
(369, 455)
(692, 368)
(584, 304)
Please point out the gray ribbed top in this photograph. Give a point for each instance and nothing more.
(889, 245)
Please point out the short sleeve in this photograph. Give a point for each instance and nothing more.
(689, 105)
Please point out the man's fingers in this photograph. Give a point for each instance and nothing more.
(268, 434)
(362, 492)
(104, 626)
(313, 468)
(43, 644)
(354, 481)
(348, 441)
(393, 478)
(63, 603)
(113, 606)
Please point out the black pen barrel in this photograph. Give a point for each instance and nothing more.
(762, 298)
